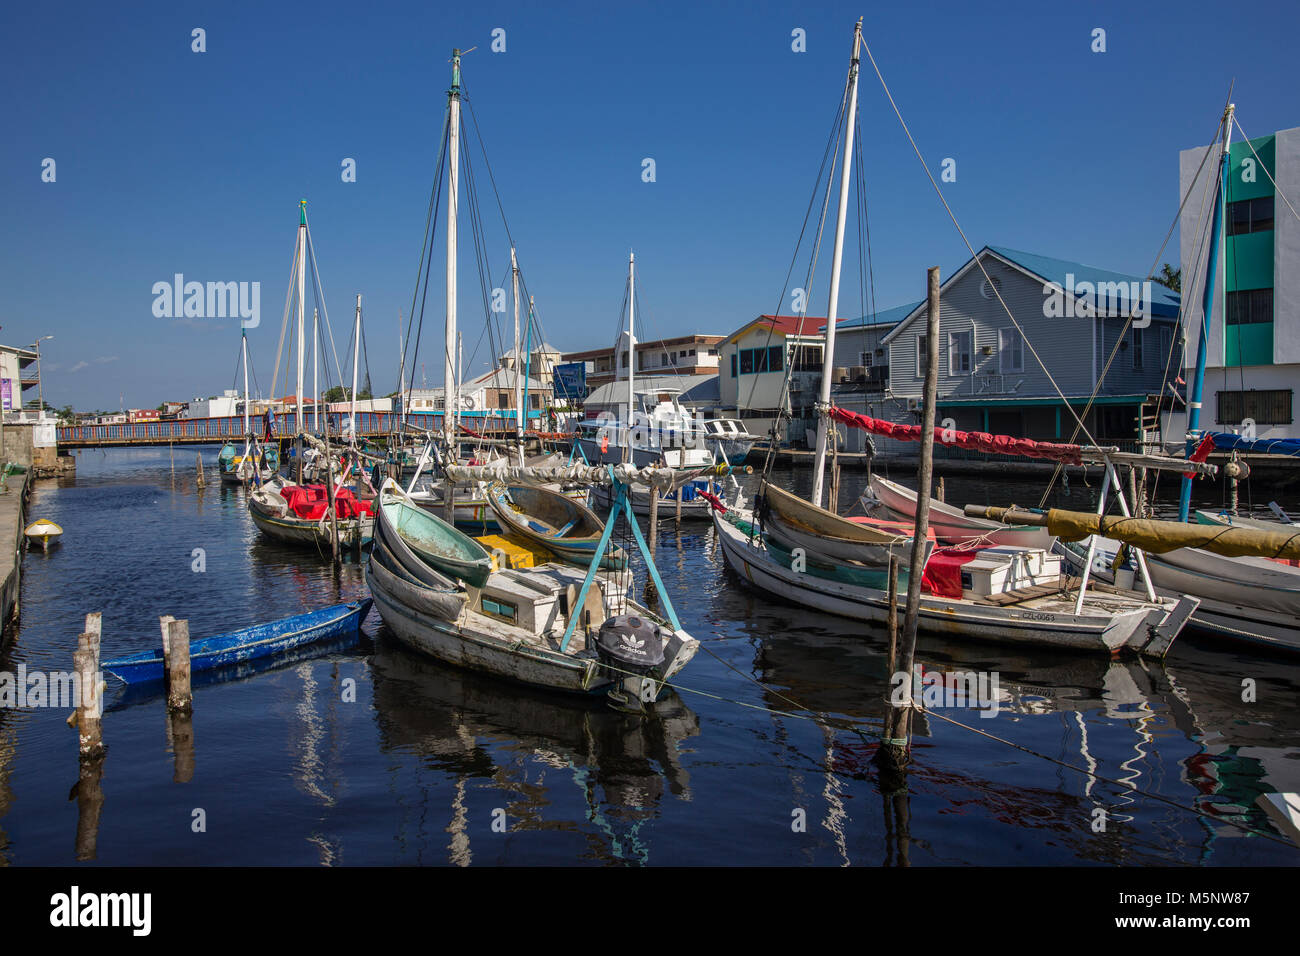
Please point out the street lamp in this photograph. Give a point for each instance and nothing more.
(40, 388)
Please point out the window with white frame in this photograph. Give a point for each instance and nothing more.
(922, 354)
(1011, 351)
(864, 358)
(959, 353)
(1139, 339)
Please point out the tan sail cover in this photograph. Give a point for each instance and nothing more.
(820, 521)
(1161, 536)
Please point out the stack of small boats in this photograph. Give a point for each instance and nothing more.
(552, 626)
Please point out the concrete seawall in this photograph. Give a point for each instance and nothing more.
(13, 514)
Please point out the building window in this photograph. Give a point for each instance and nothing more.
(503, 400)
(1250, 306)
(775, 358)
(922, 354)
(625, 360)
(1011, 351)
(746, 361)
(1264, 407)
(958, 353)
(1166, 346)
(692, 352)
(1250, 215)
(1139, 340)
(713, 351)
(733, 364)
(682, 354)
(864, 359)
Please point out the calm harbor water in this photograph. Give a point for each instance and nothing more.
(368, 754)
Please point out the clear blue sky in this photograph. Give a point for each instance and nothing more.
(172, 161)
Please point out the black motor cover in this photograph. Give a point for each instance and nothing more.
(630, 644)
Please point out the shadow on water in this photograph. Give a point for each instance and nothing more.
(528, 744)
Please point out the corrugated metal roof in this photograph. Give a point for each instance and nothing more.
(889, 317)
(1164, 301)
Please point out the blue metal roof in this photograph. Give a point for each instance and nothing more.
(1164, 301)
(886, 319)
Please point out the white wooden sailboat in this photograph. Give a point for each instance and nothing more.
(1245, 599)
(554, 627)
(1018, 595)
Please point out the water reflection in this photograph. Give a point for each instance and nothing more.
(531, 745)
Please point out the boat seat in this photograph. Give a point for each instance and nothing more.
(566, 529)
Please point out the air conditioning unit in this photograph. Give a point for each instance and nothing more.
(857, 373)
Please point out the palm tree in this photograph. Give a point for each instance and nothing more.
(1170, 278)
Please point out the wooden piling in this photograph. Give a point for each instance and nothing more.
(893, 615)
(164, 622)
(179, 696)
(199, 467)
(90, 805)
(678, 516)
(329, 493)
(893, 750)
(939, 493)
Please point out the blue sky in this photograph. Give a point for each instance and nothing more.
(173, 161)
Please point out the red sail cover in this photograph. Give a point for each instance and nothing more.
(975, 441)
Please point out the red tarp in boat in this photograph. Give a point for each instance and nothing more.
(975, 441)
(942, 574)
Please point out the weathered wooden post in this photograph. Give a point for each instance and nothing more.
(939, 492)
(329, 495)
(199, 466)
(179, 696)
(678, 516)
(893, 750)
(164, 623)
(893, 614)
(90, 704)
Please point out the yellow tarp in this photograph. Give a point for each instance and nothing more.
(1161, 536)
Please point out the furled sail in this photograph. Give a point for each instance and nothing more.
(1156, 536)
(975, 441)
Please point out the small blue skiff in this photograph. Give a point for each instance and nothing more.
(258, 641)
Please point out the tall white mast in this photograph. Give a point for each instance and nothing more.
(832, 308)
(460, 359)
(356, 354)
(302, 296)
(243, 341)
(315, 379)
(451, 384)
(518, 369)
(631, 352)
(401, 369)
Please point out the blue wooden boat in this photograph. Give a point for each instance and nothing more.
(251, 643)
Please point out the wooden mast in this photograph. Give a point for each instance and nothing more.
(832, 308)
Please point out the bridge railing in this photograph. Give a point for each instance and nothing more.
(232, 427)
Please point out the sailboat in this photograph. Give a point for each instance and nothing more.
(307, 513)
(554, 626)
(1007, 594)
(1250, 599)
(256, 464)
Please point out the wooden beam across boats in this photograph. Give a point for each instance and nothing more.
(250, 643)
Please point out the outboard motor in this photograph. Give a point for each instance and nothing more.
(629, 648)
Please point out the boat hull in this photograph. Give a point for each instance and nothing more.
(1141, 629)
(1270, 619)
(253, 643)
(952, 526)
